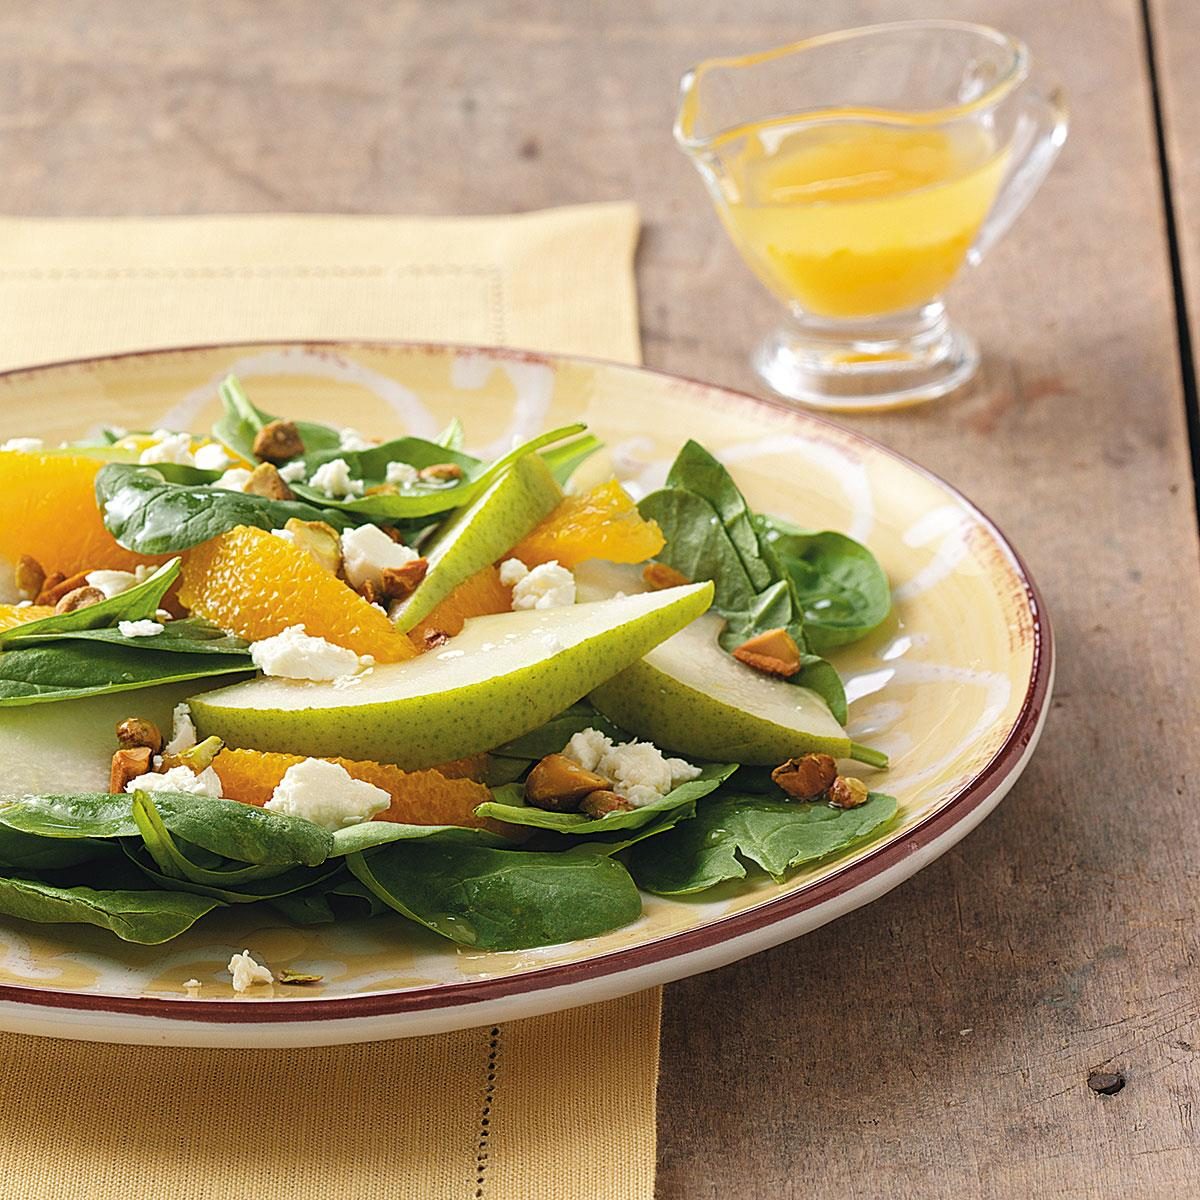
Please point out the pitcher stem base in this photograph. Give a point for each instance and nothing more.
(857, 366)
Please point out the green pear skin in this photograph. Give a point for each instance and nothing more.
(503, 676)
(688, 696)
(482, 533)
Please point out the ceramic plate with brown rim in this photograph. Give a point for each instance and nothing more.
(954, 687)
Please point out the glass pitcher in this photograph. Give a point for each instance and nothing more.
(856, 173)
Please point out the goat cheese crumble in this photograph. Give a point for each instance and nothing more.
(212, 457)
(351, 439)
(333, 478)
(639, 771)
(294, 654)
(179, 779)
(294, 472)
(367, 550)
(327, 795)
(113, 583)
(168, 447)
(234, 480)
(183, 730)
(247, 972)
(546, 586)
(136, 629)
(24, 445)
(401, 473)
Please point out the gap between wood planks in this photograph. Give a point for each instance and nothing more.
(1187, 363)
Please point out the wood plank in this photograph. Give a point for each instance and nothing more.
(937, 1043)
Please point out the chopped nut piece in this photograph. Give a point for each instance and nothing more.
(51, 582)
(277, 441)
(265, 480)
(774, 652)
(382, 489)
(558, 784)
(658, 576)
(806, 777)
(320, 539)
(398, 583)
(297, 977)
(81, 597)
(30, 578)
(126, 765)
(848, 792)
(435, 638)
(601, 802)
(53, 592)
(196, 758)
(135, 732)
(440, 473)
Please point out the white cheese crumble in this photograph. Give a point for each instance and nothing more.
(192, 984)
(333, 478)
(548, 585)
(136, 629)
(234, 480)
(351, 439)
(293, 654)
(212, 457)
(638, 770)
(402, 473)
(24, 445)
(183, 730)
(327, 794)
(294, 472)
(168, 447)
(113, 583)
(179, 779)
(367, 550)
(246, 972)
(24, 603)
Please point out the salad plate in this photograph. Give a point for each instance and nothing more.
(948, 684)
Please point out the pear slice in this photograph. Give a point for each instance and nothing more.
(689, 696)
(501, 677)
(482, 533)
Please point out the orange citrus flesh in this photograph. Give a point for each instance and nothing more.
(418, 797)
(481, 594)
(603, 523)
(256, 585)
(11, 616)
(48, 510)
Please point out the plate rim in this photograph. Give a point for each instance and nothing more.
(428, 998)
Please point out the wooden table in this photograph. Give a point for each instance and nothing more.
(938, 1043)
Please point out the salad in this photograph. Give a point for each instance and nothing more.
(474, 695)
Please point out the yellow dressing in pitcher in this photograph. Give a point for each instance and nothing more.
(852, 218)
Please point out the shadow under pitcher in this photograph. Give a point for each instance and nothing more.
(857, 173)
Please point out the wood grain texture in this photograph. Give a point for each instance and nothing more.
(936, 1044)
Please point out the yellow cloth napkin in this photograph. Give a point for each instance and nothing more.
(555, 1106)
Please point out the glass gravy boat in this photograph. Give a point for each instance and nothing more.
(857, 173)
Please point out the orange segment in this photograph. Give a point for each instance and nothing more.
(603, 523)
(11, 616)
(477, 596)
(418, 797)
(256, 585)
(48, 510)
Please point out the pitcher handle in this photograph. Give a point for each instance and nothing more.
(1039, 135)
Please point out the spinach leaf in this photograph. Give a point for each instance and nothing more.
(235, 891)
(67, 670)
(557, 732)
(500, 899)
(696, 471)
(222, 827)
(426, 500)
(842, 589)
(147, 917)
(353, 839)
(776, 836)
(698, 546)
(147, 513)
(453, 436)
(340, 898)
(566, 459)
(135, 604)
(26, 852)
(189, 636)
(242, 421)
(511, 807)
